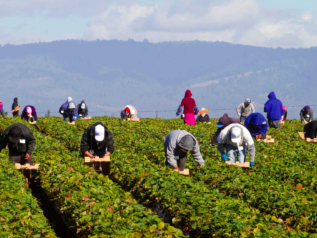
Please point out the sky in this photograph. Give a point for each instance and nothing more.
(266, 23)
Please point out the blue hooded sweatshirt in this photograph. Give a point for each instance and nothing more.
(256, 124)
(274, 108)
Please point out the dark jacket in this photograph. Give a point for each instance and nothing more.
(274, 108)
(81, 111)
(88, 141)
(226, 121)
(18, 149)
(14, 105)
(256, 124)
(310, 130)
(24, 114)
(306, 116)
(203, 119)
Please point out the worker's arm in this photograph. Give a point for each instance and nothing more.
(197, 155)
(84, 146)
(88, 154)
(170, 157)
(251, 147)
(179, 111)
(238, 109)
(252, 108)
(311, 112)
(31, 143)
(110, 144)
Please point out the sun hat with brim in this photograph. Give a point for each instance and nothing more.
(15, 134)
(219, 125)
(235, 135)
(99, 133)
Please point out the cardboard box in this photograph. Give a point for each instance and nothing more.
(100, 165)
(203, 111)
(132, 119)
(244, 165)
(184, 172)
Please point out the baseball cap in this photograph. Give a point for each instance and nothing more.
(71, 105)
(15, 134)
(248, 100)
(69, 99)
(99, 133)
(219, 125)
(235, 134)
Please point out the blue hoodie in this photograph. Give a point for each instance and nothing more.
(256, 124)
(274, 108)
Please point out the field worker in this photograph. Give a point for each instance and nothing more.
(306, 114)
(274, 109)
(176, 145)
(190, 108)
(310, 130)
(203, 117)
(257, 125)
(223, 122)
(97, 140)
(82, 110)
(285, 114)
(1, 110)
(21, 143)
(15, 104)
(29, 113)
(236, 136)
(246, 108)
(68, 110)
(129, 112)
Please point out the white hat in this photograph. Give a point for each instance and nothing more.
(83, 106)
(71, 105)
(202, 109)
(69, 99)
(235, 135)
(248, 100)
(99, 133)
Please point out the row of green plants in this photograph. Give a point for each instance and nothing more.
(205, 210)
(20, 213)
(90, 203)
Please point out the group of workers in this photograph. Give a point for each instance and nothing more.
(231, 136)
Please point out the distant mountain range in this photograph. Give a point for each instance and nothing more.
(154, 77)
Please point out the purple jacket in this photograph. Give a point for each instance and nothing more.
(24, 114)
(64, 108)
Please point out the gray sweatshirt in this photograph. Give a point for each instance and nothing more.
(225, 137)
(245, 111)
(172, 149)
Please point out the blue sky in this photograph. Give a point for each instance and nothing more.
(269, 23)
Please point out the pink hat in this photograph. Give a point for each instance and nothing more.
(29, 111)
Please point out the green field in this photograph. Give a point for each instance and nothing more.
(276, 198)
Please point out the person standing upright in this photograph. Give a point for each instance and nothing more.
(190, 108)
(15, 104)
(274, 109)
(246, 108)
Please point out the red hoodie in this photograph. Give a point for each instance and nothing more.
(188, 103)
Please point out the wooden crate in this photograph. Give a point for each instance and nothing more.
(184, 172)
(203, 111)
(33, 123)
(100, 165)
(71, 123)
(244, 165)
(132, 119)
(27, 170)
(268, 139)
(86, 118)
(16, 109)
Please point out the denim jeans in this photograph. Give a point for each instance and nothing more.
(242, 119)
(232, 151)
(98, 153)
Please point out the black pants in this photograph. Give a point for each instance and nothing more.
(70, 113)
(20, 159)
(2, 113)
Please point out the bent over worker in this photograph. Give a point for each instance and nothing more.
(68, 110)
(176, 145)
(236, 136)
(29, 113)
(21, 143)
(97, 140)
(257, 125)
(246, 108)
(310, 130)
(82, 110)
(129, 112)
(306, 114)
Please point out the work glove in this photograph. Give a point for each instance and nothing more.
(223, 156)
(251, 164)
(84, 116)
(78, 116)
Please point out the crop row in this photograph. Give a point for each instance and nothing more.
(20, 214)
(89, 202)
(192, 203)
